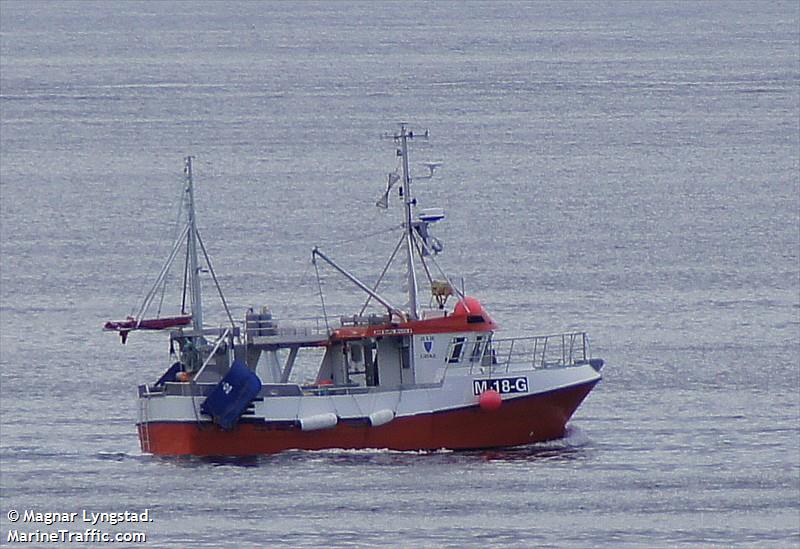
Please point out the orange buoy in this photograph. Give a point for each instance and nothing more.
(468, 306)
(490, 400)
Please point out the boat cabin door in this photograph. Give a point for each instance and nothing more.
(394, 361)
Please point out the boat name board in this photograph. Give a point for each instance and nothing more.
(502, 385)
(393, 331)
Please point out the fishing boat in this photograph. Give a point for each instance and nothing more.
(401, 377)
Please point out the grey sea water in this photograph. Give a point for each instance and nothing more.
(631, 169)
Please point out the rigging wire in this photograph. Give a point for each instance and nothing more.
(214, 277)
(321, 297)
(185, 278)
(333, 244)
(296, 290)
(164, 270)
(422, 258)
(383, 273)
(176, 226)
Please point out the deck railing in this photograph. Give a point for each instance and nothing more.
(268, 327)
(546, 351)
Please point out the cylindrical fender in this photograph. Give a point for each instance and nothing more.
(381, 417)
(318, 421)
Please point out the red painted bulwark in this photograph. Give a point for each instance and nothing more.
(519, 421)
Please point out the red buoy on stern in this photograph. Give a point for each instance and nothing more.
(490, 400)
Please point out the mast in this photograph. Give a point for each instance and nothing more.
(410, 226)
(409, 202)
(194, 265)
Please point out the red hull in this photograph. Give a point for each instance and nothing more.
(520, 421)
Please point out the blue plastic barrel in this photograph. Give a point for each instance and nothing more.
(232, 395)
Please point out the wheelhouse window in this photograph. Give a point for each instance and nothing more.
(456, 349)
(477, 350)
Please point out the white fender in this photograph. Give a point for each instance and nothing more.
(381, 417)
(319, 421)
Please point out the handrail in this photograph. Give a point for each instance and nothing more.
(544, 351)
(539, 336)
(264, 327)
